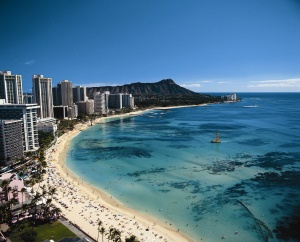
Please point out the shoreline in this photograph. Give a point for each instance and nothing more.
(147, 229)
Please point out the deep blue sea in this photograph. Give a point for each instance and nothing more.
(162, 163)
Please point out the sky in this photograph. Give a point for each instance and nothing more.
(203, 45)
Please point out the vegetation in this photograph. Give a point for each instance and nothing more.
(45, 139)
(131, 239)
(40, 232)
(24, 219)
(113, 234)
(66, 125)
(82, 117)
(148, 101)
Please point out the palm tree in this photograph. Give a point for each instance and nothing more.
(5, 188)
(25, 207)
(56, 211)
(23, 190)
(99, 224)
(52, 191)
(33, 204)
(8, 190)
(117, 235)
(47, 208)
(5, 214)
(111, 230)
(44, 190)
(102, 231)
(131, 239)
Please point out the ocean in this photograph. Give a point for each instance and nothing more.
(161, 163)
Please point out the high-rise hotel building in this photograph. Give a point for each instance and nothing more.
(11, 140)
(79, 94)
(63, 100)
(27, 113)
(63, 94)
(11, 87)
(42, 95)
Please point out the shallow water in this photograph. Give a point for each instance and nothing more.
(162, 163)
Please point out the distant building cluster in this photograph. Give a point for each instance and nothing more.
(22, 115)
(232, 97)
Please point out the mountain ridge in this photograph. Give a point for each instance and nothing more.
(163, 87)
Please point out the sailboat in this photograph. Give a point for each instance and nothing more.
(217, 139)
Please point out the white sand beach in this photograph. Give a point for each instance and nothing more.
(85, 205)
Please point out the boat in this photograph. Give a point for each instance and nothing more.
(217, 139)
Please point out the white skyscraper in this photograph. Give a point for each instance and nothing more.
(11, 87)
(66, 93)
(42, 95)
(99, 102)
(27, 113)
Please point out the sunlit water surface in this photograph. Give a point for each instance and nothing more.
(163, 164)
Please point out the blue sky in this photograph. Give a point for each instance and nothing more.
(203, 45)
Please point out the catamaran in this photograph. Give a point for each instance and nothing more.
(217, 139)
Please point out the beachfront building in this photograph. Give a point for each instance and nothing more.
(105, 101)
(86, 107)
(120, 100)
(72, 111)
(66, 112)
(89, 105)
(79, 94)
(47, 125)
(115, 101)
(60, 112)
(106, 97)
(11, 87)
(42, 95)
(17, 187)
(127, 100)
(11, 145)
(27, 113)
(99, 102)
(231, 97)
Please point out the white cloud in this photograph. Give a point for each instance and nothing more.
(96, 84)
(30, 62)
(189, 85)
(294, 82)
(207, 81)
(223, 82)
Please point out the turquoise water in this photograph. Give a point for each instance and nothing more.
(162, 163)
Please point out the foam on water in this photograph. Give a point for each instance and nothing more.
(162, 163)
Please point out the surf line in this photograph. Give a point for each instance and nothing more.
(264, 229)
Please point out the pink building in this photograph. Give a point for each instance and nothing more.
(16, 184)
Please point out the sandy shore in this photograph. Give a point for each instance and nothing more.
(86, 205)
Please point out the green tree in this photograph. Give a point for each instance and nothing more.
(117, 235)
(102, 231)
(45, 139)
(111, 232)
(99, 227)
(23, 190)
(28, 235)
(131, 239)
